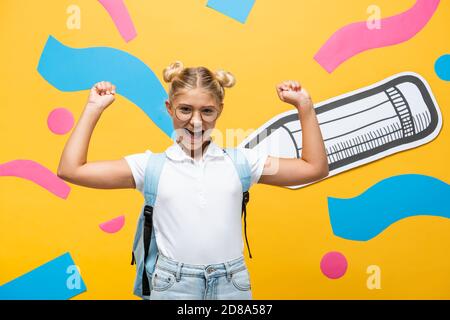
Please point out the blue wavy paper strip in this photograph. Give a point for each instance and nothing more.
(364, 217)
(70, 69)
(236, 9)
(50, 281)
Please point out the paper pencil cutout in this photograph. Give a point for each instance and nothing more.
(393, 115)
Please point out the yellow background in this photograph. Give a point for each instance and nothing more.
(289, 230)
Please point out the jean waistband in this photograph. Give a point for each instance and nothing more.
(197, 270)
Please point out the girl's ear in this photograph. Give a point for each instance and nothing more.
(168, 107)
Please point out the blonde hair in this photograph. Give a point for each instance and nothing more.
(181, 78)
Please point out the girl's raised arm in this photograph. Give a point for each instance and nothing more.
(114, 174)
(313, 164)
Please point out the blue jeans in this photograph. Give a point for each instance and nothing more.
(174, 280)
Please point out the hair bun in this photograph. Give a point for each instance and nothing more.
(225, 78)
(173, 70)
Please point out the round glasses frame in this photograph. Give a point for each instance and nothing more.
(186, 117)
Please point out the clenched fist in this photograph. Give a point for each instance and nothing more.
(102, 94)
(292, 92)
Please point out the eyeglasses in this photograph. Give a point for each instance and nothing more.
(185, 113)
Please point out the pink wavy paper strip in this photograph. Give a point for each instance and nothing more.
(37, 173)
(119, 14)
(114, 225)
(357, 37)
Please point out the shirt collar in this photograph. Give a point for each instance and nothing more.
(176, 153)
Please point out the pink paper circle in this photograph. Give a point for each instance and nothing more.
(333, 265)
(60, 121)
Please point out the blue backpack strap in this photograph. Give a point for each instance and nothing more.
(154, 167)
(145, 249)
(244, 172)
(242, 167)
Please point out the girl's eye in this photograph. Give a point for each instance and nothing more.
(185, 110)
(207, 111)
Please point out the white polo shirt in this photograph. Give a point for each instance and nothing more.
(197, 211)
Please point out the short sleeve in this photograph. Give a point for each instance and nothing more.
(137, 163)
(256, 159)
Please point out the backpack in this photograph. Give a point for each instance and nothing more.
(145, 250)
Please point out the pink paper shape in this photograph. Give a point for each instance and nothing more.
(119, 14)
(114, 225)
(37, 173)
(333, 265)
(60, 121)
(357, 37)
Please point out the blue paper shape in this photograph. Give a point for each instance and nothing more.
(57, 279)
(236, 9)
(442, 67)
(363, 217)
(70, 69)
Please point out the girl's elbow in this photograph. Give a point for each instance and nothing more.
(66, 175)
(60, 173)
(322, 172)
(63, 176)
(326, 170)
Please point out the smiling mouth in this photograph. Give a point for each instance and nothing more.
(196, 134)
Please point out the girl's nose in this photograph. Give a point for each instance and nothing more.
(196, 120)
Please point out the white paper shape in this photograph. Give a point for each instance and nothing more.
(359, 127)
